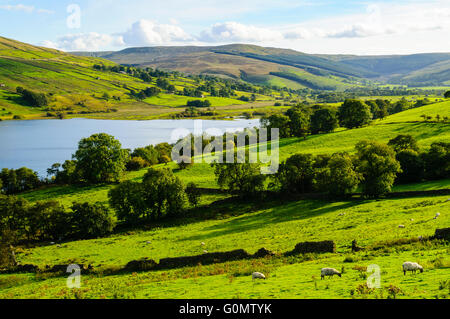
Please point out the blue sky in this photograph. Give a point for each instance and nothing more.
(322, 26)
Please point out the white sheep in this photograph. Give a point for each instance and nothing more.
(410, 266)
(203, 244)
(437, 215)
(258, 275)
(205, 251)
(329, 272)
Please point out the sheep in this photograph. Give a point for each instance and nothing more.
(148, 242)
(401, 226)
(205, 251)
(203, 244)
(258, 275)
(437, 215)
(329, 272)
(413, 267)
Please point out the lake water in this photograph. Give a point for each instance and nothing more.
(37, 144)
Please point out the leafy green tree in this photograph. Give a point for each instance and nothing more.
(91, 220)
(437, 161)
(339, 178)
(447, 95)
(193, 194)
(163, 194)
(100, 159)
(324, 120)
(279, 121)
(128, 202)
(403, 142)
(354, 113)
(378, 166)
(298, 122)
(296, 174)
(242, 178)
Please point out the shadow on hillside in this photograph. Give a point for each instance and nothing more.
(280, 213)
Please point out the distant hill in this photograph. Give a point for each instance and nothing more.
(276, 66)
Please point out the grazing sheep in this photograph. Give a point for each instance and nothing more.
(413, 267)
(148, 242)
(329, 272)
(341, 214)
(205, 251)
(401, 226)
(203, 244)
(258, 275)
(437, 215)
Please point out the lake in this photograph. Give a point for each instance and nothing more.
(37, 144)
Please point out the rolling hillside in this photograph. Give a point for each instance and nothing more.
(75, 88)
(268, 65)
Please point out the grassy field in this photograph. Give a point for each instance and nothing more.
(277, 226)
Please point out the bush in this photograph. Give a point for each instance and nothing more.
(35, 99)
(199, 103)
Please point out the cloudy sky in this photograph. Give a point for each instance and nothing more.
(312, 26)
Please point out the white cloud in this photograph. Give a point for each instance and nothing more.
(24, 8)
(84, 42)
(146, 32)
(237, 32)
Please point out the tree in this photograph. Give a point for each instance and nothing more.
(437, 161)
(48, 220)
(185, 162)
(296, 175)
(243, 178)
(323, 120)
(100, 159)
(128, 202)
(403, 142)
(91, 220)
(378, 167)
(163, 193)
(298, 122)
(279, 121)
(193, 194)
(447, 95)
(339, 178)
(354, 113)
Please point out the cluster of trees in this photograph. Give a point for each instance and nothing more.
(13, 181)
(159, 195)
(33, 98)
(374, 167)
(417, 164)
(199, 103)
(302, 119)
(148, 92)
(49, 220)
(149, 155)
(194, 112)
